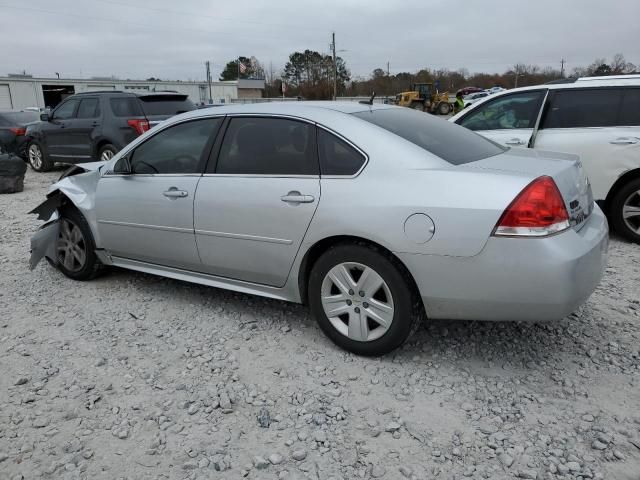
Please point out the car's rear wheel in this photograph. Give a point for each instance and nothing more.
(36, 157)
(362, 300)
(75, 247)
(107, 152)
(625, 211)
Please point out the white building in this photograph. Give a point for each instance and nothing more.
(21, 91)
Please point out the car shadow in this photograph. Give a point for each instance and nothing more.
(517, 343)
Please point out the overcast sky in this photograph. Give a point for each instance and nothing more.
(171, 39)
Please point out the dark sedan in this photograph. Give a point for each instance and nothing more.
(13, 128)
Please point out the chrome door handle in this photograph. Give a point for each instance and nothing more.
(515, 141)
(624, 141)
(174, 193)
(297, 197)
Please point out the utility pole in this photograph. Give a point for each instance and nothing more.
(517, 73)
(562, 68)
(389, 77)
(335, 65)
(208, 65)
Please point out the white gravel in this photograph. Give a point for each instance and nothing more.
(132, 376)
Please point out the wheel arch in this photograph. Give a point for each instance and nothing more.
(618, 185)
(321, 246)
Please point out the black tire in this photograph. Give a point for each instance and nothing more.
(629, 194)
(90, 267)
(407, 304)
(107, 150)
(444, 108)
(38, 163)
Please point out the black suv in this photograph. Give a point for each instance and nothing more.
(95, 125)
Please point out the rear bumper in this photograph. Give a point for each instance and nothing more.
(537, 279)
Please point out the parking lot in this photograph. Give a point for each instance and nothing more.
(140, 377)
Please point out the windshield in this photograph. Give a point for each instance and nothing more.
(452, 143)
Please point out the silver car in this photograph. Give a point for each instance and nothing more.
(374, 215)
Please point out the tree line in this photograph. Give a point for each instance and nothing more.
(309, 75)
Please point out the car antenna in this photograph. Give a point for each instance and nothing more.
(370, 101)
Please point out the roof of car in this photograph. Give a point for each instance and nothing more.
(136, 94)
(291, 108)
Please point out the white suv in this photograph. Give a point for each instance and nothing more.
(597, 118)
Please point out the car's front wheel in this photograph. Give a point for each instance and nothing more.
(362, 300)
(625, 211)
(36, 157)
(75, 247)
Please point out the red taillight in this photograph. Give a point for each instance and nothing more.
(19, 131)
(537, 211)
(139, 125)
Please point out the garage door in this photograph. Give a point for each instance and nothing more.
(99, 88)
(5, 98)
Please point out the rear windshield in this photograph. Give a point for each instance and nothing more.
(166, 104)
(18, 118)
(449, 141)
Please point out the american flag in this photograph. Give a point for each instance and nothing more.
(242, 67)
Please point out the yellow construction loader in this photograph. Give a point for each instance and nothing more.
(425, 97)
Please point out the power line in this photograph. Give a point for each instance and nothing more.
(231, 20)
(155, 27)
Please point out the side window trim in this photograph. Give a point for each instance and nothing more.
(213, 170)
(348, 142)
(497, 99)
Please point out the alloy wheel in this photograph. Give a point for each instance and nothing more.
(71, 247)
(631, 212)
(357, 301)
(35, 156)
(106, 155)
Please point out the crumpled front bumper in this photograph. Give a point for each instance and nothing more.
(43, 242)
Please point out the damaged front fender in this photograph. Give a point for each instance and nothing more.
(77, 187)
(43, 243)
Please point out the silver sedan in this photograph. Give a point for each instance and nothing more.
(376, 216)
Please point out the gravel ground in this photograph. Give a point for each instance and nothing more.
(138, 377)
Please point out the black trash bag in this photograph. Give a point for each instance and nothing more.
(12, 165)
(12, 170)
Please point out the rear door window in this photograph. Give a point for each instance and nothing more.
(337, 157)
(268, 146)
(508, 112)
(574, 108)
(630, 109)
(125, 107)
(88, 108)
(67, 110)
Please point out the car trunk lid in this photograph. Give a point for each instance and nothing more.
(565, 169)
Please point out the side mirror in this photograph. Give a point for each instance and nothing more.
(45, 117)
(122, 167)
